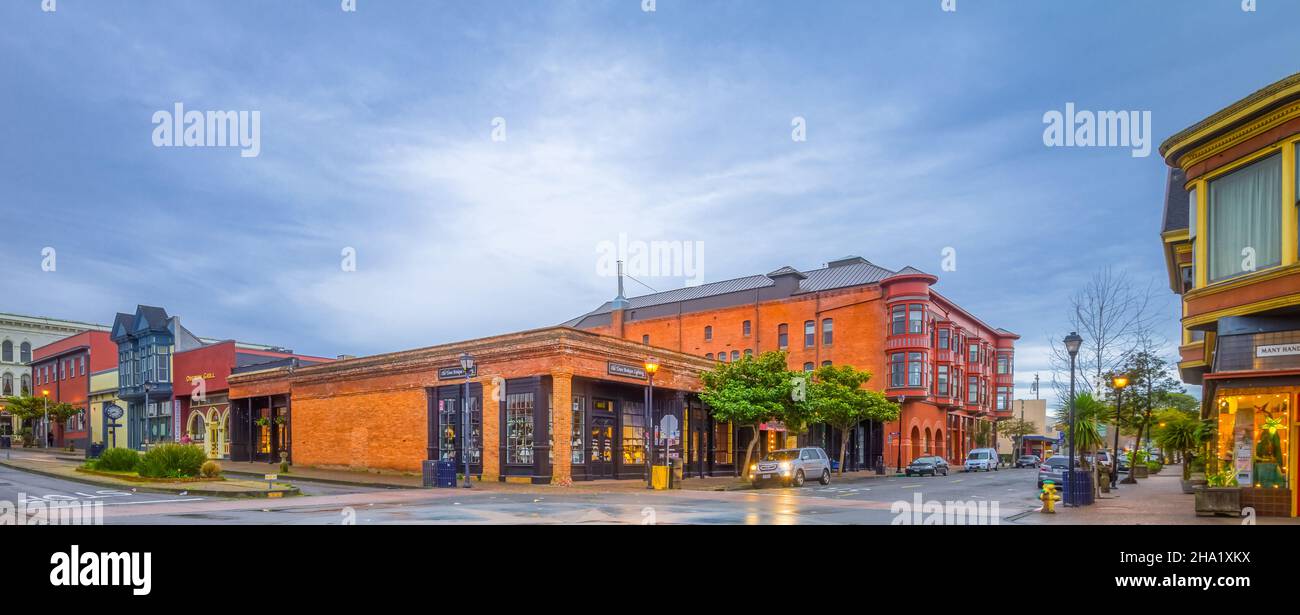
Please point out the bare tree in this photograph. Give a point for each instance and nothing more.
(1116, 319)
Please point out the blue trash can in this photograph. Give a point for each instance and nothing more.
(1078, 488)
(446, 473)
(94, 450)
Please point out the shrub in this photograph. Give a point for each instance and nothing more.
(117, 460)
(210, 469)
(172, 461)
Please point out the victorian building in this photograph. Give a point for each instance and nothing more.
(19, 337)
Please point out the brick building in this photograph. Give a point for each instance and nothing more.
(63, 371)
(952, 372)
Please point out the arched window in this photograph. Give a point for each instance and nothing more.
(807, 367)
(25, 352)
(7, 384)
(709, 356)
(7, 351)
(26, 381)
(749, 352)
(735, 355)
(708, 333)
(198, 427)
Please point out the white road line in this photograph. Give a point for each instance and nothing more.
(153, 502)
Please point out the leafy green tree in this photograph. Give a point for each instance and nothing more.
(1153, 387)
(1016, 428)
(837, 398)
(755, 390)
(1089, 414)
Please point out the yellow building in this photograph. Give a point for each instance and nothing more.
(103, 390)
(1230, 235)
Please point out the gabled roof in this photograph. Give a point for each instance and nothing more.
(786, 270)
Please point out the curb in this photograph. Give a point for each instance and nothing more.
(148, 488)
(328, 481)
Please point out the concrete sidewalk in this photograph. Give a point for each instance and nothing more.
(1158, 500)
(54, 466)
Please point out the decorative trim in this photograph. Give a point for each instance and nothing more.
(1240, 135)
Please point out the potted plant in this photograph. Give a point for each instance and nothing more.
(1220, 495)
(1194, 475)
(1138, 464)
(263, 421)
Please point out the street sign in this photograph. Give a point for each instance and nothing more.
(668, 426)
(272, 476)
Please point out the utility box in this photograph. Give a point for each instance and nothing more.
(659, 477)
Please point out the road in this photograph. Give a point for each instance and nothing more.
(1004, 495)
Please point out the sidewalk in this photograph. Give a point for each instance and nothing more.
(57, 466)
(1158, 500)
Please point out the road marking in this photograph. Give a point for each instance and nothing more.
(909, 486)
(153, 502)
(958, 480)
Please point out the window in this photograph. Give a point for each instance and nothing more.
(943, 381)
(26, 385)
(1245, 219)
(722, 356)
(828, 330)
(735, 355)
(519, 428)
(25, 353)
(809, 334)
(578, 434)
(973, 390)
(915, 367)
(897, 320)
(915, 318)
(826, 363)
(83, 365)
(448, 427)
(783, 336)
(897, 370)
(7, 351)
(943, 339)
(744, 328)
(974, 355)
(808, 367)
(645, 339)
(633, 432)
(709, 356)
(1004, 398)
(708, 333)
(722, 450)
(7, 386)
(749, 352)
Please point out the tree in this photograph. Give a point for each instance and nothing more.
(1089, 412)
(62, 411)
(1114, 316)
(1153, 387)
(1016, 429)
(754, 390)
(836, 397)
(1177, 431)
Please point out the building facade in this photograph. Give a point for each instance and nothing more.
(1037, 443)
(1231, 242)
(545, 406)
(63, 371)
(952, 374)
(19, 337)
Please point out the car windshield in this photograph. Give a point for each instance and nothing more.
(781, 456)
(1058, 462)
(978, 455)
(924, 460)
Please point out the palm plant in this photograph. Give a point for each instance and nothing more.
(1179, 433)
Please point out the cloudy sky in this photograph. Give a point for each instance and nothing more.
(924, 130)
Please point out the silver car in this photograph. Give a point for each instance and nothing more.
(1054, 470)
(791, 467)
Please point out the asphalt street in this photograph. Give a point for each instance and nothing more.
(1005, 495)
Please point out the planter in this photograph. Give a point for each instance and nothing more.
(1218, 501)
(1139, 471)
(1197, 480)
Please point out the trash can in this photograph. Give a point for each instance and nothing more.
(6, 441)
(94, 450)
(429, 472)
(446, 474)
(1078, 488)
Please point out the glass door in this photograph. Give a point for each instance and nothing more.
(602, 448)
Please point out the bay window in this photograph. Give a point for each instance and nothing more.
(1245, 219)
(897, 370)
(898, 314)
(915, 369)
(1004, 364)
(943, 339)
(915, 318)
(973, 390)
(943, 381)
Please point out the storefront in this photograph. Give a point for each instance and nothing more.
(543, 406)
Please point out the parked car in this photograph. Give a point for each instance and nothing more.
(933, 466)
(1102, 458)
(1123, 462)
(981, 459)
(1054, 469)
(792, 467)
(1028, 461)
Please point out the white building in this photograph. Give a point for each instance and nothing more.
(19, 336)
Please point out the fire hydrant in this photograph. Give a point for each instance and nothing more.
(1049, 497)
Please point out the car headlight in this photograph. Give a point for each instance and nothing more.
(785, 465)
(753, 467)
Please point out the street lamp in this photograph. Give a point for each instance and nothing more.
(466, 366)
(898, 462)
(1072, 343)
(1119, 381)
(45, 431)
(148, 388)
(651, 366)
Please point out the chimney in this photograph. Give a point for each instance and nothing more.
(618, 305)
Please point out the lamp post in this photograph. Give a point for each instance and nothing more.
(1119, 381)
(898, 462)
(45, 429)
(1072, 343)
(466, 366)
(148, 388)
(651, 366)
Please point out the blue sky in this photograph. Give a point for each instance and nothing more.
(924, 131)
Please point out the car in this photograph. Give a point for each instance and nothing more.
(1028, 461)
(1054, 470)
(1102, 458)
(1123, 462)
(791, 467)
(981, 459)
(933, 466)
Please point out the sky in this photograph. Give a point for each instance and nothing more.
(436, 171)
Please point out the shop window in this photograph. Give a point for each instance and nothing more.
(448, 426)
(897, 369)
(519, 428)
(633, 432)
(1254, 436)
(897, 319)
(708, 333)
(828, 331)
(577, 454)
(809, 334)
(782, 336)
(722, 445)
(1245, 219)
(744, 328)
(916, 318)
(198, 427)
